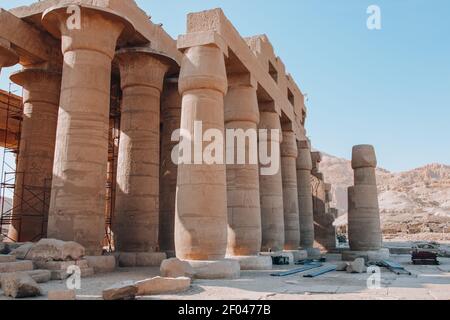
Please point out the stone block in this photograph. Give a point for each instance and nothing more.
(175, 268)
(20, 285)
(62, 295)
(357, 266)
(153, 259)
(343, 266)
(17, 266)
(211, 270)
(121, 291)
(102, 264)
(7, 258)
(22, 252)
(253, 262)
(56, 250)
(159, 285)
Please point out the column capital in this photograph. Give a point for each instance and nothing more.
(241, 104)
(40, 84)
(271, 121)
(203, 67)
(363, 156)
(8, 57)
(99, 29)
(141, 66)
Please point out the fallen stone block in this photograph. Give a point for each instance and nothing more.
(175, 268)
(159, 285)
(17, 266)
(357, 266)
(121, 291)
(213, 270)
(20, 285)
(62, 295)
(7, 258)
(21, 253)
(40, 276)
(63, 275)
(102, 264)
(342, 266)
(59, 265)
(56, 250)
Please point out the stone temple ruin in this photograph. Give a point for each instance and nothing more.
(100, 104)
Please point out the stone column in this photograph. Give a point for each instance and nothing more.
(364, 226)
(41, 90)
(79, 173)
(271, 191)
(201, 209)
(171, 118)
(136, 222)
(244, 209)
(8, 57)
(289, 154)
(305, 200)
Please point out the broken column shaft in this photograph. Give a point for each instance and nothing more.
(364, 225)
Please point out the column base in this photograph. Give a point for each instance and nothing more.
(251, 263)
(313, 253)
(216, 270)
(369, 255)
(140, 259)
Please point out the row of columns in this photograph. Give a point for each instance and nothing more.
(218, 210)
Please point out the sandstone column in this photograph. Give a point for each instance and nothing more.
(201, 209)
(136, 221)
(8, 57)
(171, 117)
(79, 174)
(305, 200)
(271, 191)
(244, 209)
(41, 90)
(364, 227)
(289, 154)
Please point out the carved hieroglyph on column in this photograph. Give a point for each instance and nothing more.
(289, 153)
(364, 227)
(41, 91)
(305, 200)
(271, 191)
(8, 57)
(79, 174)
(201, 209)
(136, 215)
(244, 212)
(171, 117)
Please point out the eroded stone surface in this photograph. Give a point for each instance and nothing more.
(159, 285)
(20, 285)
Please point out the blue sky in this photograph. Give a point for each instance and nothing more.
(390, 88)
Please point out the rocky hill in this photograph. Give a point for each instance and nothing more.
(413, 202)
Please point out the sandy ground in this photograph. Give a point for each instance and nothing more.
(426, 283)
